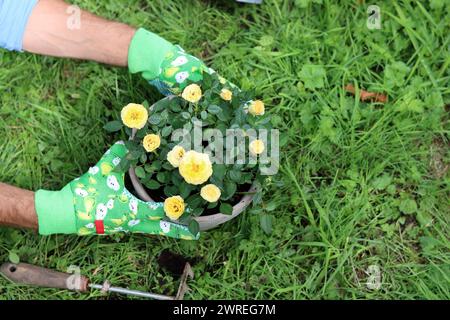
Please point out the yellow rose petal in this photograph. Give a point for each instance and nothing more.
(226, 94)
(134, 116)
(151, 142)
(195, 167)
(192, 93)
(174, 207)
(256, 108)
(210, 193)
(175, 155)
(256, 147)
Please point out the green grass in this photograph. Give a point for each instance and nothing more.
(362, 183)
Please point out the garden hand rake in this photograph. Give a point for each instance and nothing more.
(27, 274)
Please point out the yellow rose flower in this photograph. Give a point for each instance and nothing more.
(256, 108)
(174, 207)
(256, 147)
(195, 167)
(134, 116)
(151, 142)
(226, 94)
(175, 155)
(210, 193)
(192, 93)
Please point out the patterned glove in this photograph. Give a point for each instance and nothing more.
(164, 65)
(99, 203)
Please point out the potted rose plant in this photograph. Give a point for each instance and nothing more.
(208, 184)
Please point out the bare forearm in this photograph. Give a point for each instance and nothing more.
(53, 30)
(17, 207)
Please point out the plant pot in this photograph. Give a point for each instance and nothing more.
(205, 222)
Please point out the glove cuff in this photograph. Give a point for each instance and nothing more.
(55, 211)
(146, 53)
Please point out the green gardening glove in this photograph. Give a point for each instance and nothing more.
(163, 64)
(99, 203)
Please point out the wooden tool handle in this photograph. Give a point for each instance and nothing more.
(28, 274)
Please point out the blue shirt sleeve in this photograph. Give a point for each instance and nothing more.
(14, 16)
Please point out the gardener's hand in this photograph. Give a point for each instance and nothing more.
(164, 65)
(99, 203)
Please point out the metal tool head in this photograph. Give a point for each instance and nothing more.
(183, 287)
(250, 1)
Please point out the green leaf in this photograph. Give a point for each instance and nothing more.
(175, 105)
(271, 206)
(157, 164)
(395, 74)
(170, 191)
(153, 185)
(214, 109)
(188, 126)
(194, 201)
(382, 182)
(185, 190)
(143, 158)
(176, 178)
(140, 172)
(437, 4)
(434, 100)
(230, 189)
(425, 219)
(327, 127)
(391, 189)
(197, 212)
(235, 175)
(266, 41)
(312, 76)
(348, 184)
(204, 115)
(167, 166)
(276, 120)
(223, 116)
(160, 105)
(165, 114)
(408, 206)
(207, 80)
(194, 227)
(186, 115)
(226, 208)
(123, 166)
(134, 154)
(219, 171)
(162, 177)
(166, 131)
(155, 119)
(257, 198)
(132, 145)
(428, 243)
(113, 126)
(14, 257)
(266, 223)
(212, 205)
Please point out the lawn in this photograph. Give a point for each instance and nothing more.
(363, 186)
